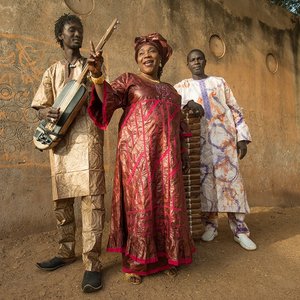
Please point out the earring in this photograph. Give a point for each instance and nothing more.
(160, 64)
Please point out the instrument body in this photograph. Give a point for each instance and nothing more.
(48, 134)
(70, 100)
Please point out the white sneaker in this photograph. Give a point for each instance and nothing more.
(244, 241)
(209, 234)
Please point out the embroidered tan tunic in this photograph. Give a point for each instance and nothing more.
(77, 161)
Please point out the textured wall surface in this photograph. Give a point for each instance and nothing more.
(249, 31)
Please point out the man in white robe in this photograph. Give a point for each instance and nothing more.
(224, 136)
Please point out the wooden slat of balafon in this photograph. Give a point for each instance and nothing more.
(192, 179)
(195, 161)
(191, 176)
(195, 189)
(194, 141)
(194, 211)
(194, 217)
(190, 194)
(192, 182)
(193, 199)
(194, 126)
(195, 164)
(194, 171)
(191, 187)
(193, 205)
(196, 226)
(195, 134)
(194, 152)
(195, 222)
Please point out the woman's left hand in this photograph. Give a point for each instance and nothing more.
(95, 61)
(185, 162)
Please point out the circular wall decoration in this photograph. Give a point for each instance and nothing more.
(6, 92)
(81, 7)
(272, 63)
(217, 46)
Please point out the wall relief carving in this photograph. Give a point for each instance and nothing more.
(22, 63)
(217, 46)
(81, 7)
(272, 63)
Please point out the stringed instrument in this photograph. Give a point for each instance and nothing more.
(70, 100)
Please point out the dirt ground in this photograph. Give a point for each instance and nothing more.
(221, 269)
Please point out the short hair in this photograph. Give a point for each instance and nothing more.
(194, 50)
(60, 23)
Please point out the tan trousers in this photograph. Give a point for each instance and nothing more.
(93, 217)
(236, 221)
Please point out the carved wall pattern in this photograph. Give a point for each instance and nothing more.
(22, 63)
(81, 7)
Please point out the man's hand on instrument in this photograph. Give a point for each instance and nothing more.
(50, 113)
(95, 61)
(196, 108)
(241, 148)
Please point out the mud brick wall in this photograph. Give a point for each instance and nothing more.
(253, 45)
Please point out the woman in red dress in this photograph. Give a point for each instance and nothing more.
(149, 223)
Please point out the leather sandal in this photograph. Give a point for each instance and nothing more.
(133, 278)
(172, 272)
(55, 263)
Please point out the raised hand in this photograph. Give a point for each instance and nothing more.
(95, 61)
(185, 163)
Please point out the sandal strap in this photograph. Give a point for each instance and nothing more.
(133, 278)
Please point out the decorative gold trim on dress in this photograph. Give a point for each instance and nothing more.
(153, 80)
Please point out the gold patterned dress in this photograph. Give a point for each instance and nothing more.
(149, 223)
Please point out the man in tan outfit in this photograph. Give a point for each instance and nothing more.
(76, 162)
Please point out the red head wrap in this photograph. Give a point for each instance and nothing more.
(155, 39)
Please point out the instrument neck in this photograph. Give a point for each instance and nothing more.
(98, 48)
(83, 74)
